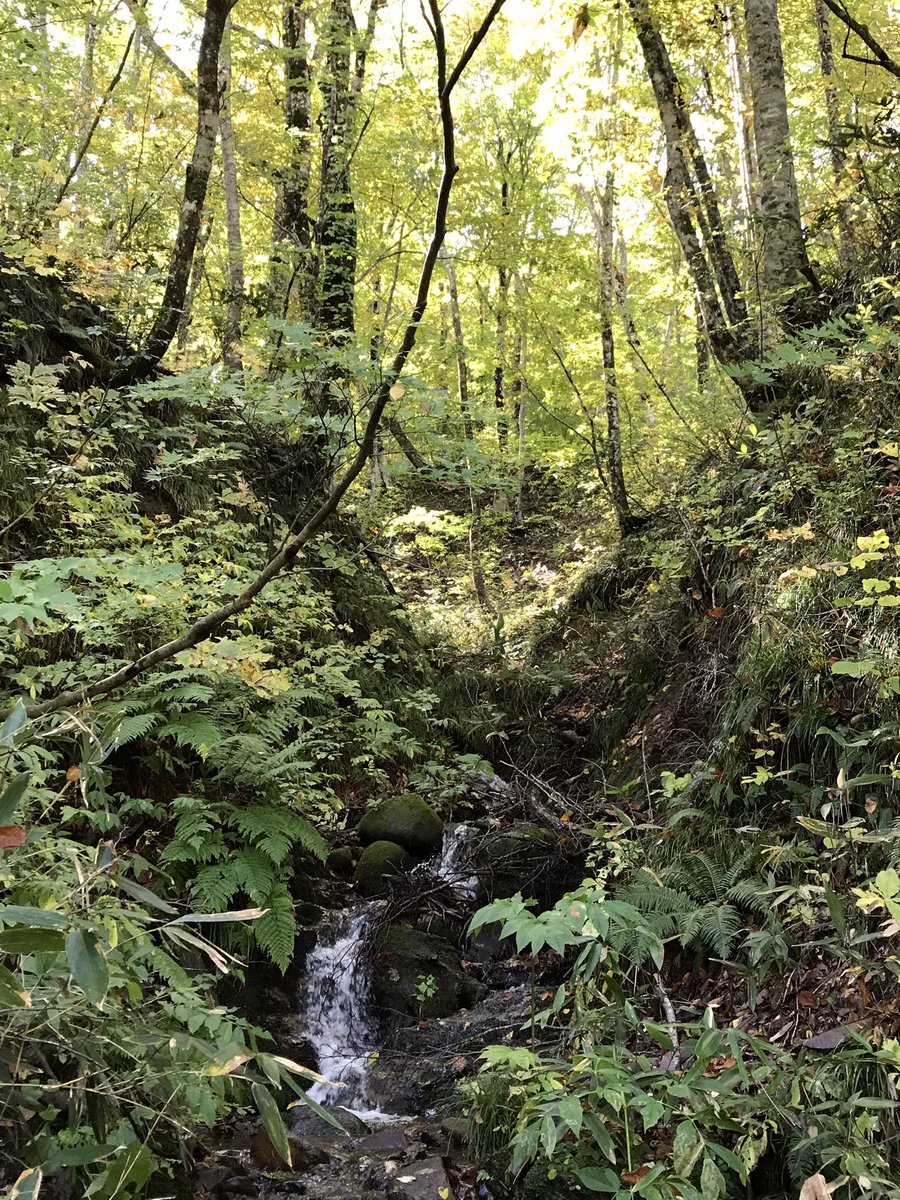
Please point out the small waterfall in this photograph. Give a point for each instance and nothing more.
(454, 863)
(339, 1018)
(337, 999)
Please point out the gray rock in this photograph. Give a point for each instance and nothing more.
(385, 1141)
(418, 1181)
(404, 956)
(308, 1124)
(408, 820)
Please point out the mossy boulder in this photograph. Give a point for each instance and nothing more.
(379, 863)
(340, 862)
(409, 955)
(528, 859)
(409, 821)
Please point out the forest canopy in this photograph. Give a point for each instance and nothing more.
(489, 403)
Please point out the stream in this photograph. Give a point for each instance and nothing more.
(337, 996)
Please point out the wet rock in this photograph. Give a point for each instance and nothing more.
(405, 956)
(209, 1178)
(456, 1130)
(239, 1185)
(408, 820)
(308, 1124)
(378, 864)
(527, 859)
(421, 1180)
(385, 1141)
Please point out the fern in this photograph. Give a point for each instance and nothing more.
(129, 729)
(276, 928)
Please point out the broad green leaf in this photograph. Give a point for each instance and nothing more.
(12, 798)
(43, 918)
(31, 941)
(598, 1179)
(87, 964)
(13, 724)
(27, 1186)
(712, 1182)
(12, 993)
(686, 1149)
(125, 1176)
(271, 1119)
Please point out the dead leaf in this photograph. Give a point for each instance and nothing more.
(717, 611)
(634, 1176)
(816, 1188)
(871, 804)
(808, 1000)
(73, 774)
(11, 836)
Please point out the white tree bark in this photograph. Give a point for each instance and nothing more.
(785, 262)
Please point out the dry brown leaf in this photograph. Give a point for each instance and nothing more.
(816, 1188)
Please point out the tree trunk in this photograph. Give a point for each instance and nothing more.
(742, 113)
(194, 196)
(682, 192)
(459, 348)
(197, 271)
(336, 227)
(462, 378)
(520, 357)
(846, 244)
(293, 266)
(233, 326)
(785, 263)
(603, 225)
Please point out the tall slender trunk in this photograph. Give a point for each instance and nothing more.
(459, 348)
(602, 213)
(741, 112)
(336, 228)
(233, 326)
(462, 381)
(292, 283)
(504, 158)
(196, 181)
(846, 244)
(198, 269)
(520, 358)
(785, 262)
(682, 192)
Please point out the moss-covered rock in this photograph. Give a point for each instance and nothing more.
(409, 821)
(379, 862)
(527, 859)
(340, 862)
(409, 955)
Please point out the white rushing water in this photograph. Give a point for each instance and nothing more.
(338, 1010)
(337, 999)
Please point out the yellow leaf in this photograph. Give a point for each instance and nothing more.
(398, 391)
(226, 1068)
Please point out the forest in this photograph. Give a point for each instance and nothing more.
(449, 672)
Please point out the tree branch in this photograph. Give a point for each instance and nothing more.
(865, 35)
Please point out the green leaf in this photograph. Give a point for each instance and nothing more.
(43, 918)
(598, 1179)
(318, 1110)
(686, 1149)
(712, 1182)
(855, 668)
(13, 723)
(27, 1186)
(569, 1108)
(125, 1176)
(87, 964)
(31, 941)
(144, 895)
(12, 798)
(12, 994)
(271, 1119)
